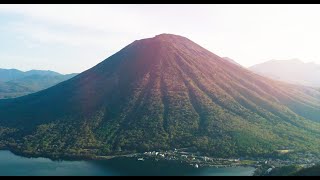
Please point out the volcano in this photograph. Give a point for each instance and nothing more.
(162, 93)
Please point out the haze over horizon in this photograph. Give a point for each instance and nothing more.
(73, 38)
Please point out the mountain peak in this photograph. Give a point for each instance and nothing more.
(165, 37)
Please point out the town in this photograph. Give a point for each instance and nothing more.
(266, 165)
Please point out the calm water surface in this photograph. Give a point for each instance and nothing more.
(11, 164)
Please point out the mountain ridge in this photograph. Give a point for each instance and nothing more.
(12, 74)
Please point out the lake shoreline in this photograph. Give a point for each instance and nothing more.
(102, 158)
(14, 165)
(63, 157)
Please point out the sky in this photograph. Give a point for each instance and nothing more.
(74, 38)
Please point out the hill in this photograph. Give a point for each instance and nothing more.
(15, 83)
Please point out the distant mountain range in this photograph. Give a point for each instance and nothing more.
(163, 93)
(13, 74)
(15, 83)
(292, 71)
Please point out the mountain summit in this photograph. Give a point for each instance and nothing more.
(161, 93)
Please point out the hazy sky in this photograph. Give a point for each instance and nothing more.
(73, 38)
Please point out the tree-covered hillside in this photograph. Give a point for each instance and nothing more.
(162, 93)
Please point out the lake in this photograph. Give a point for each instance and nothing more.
(13, 165)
